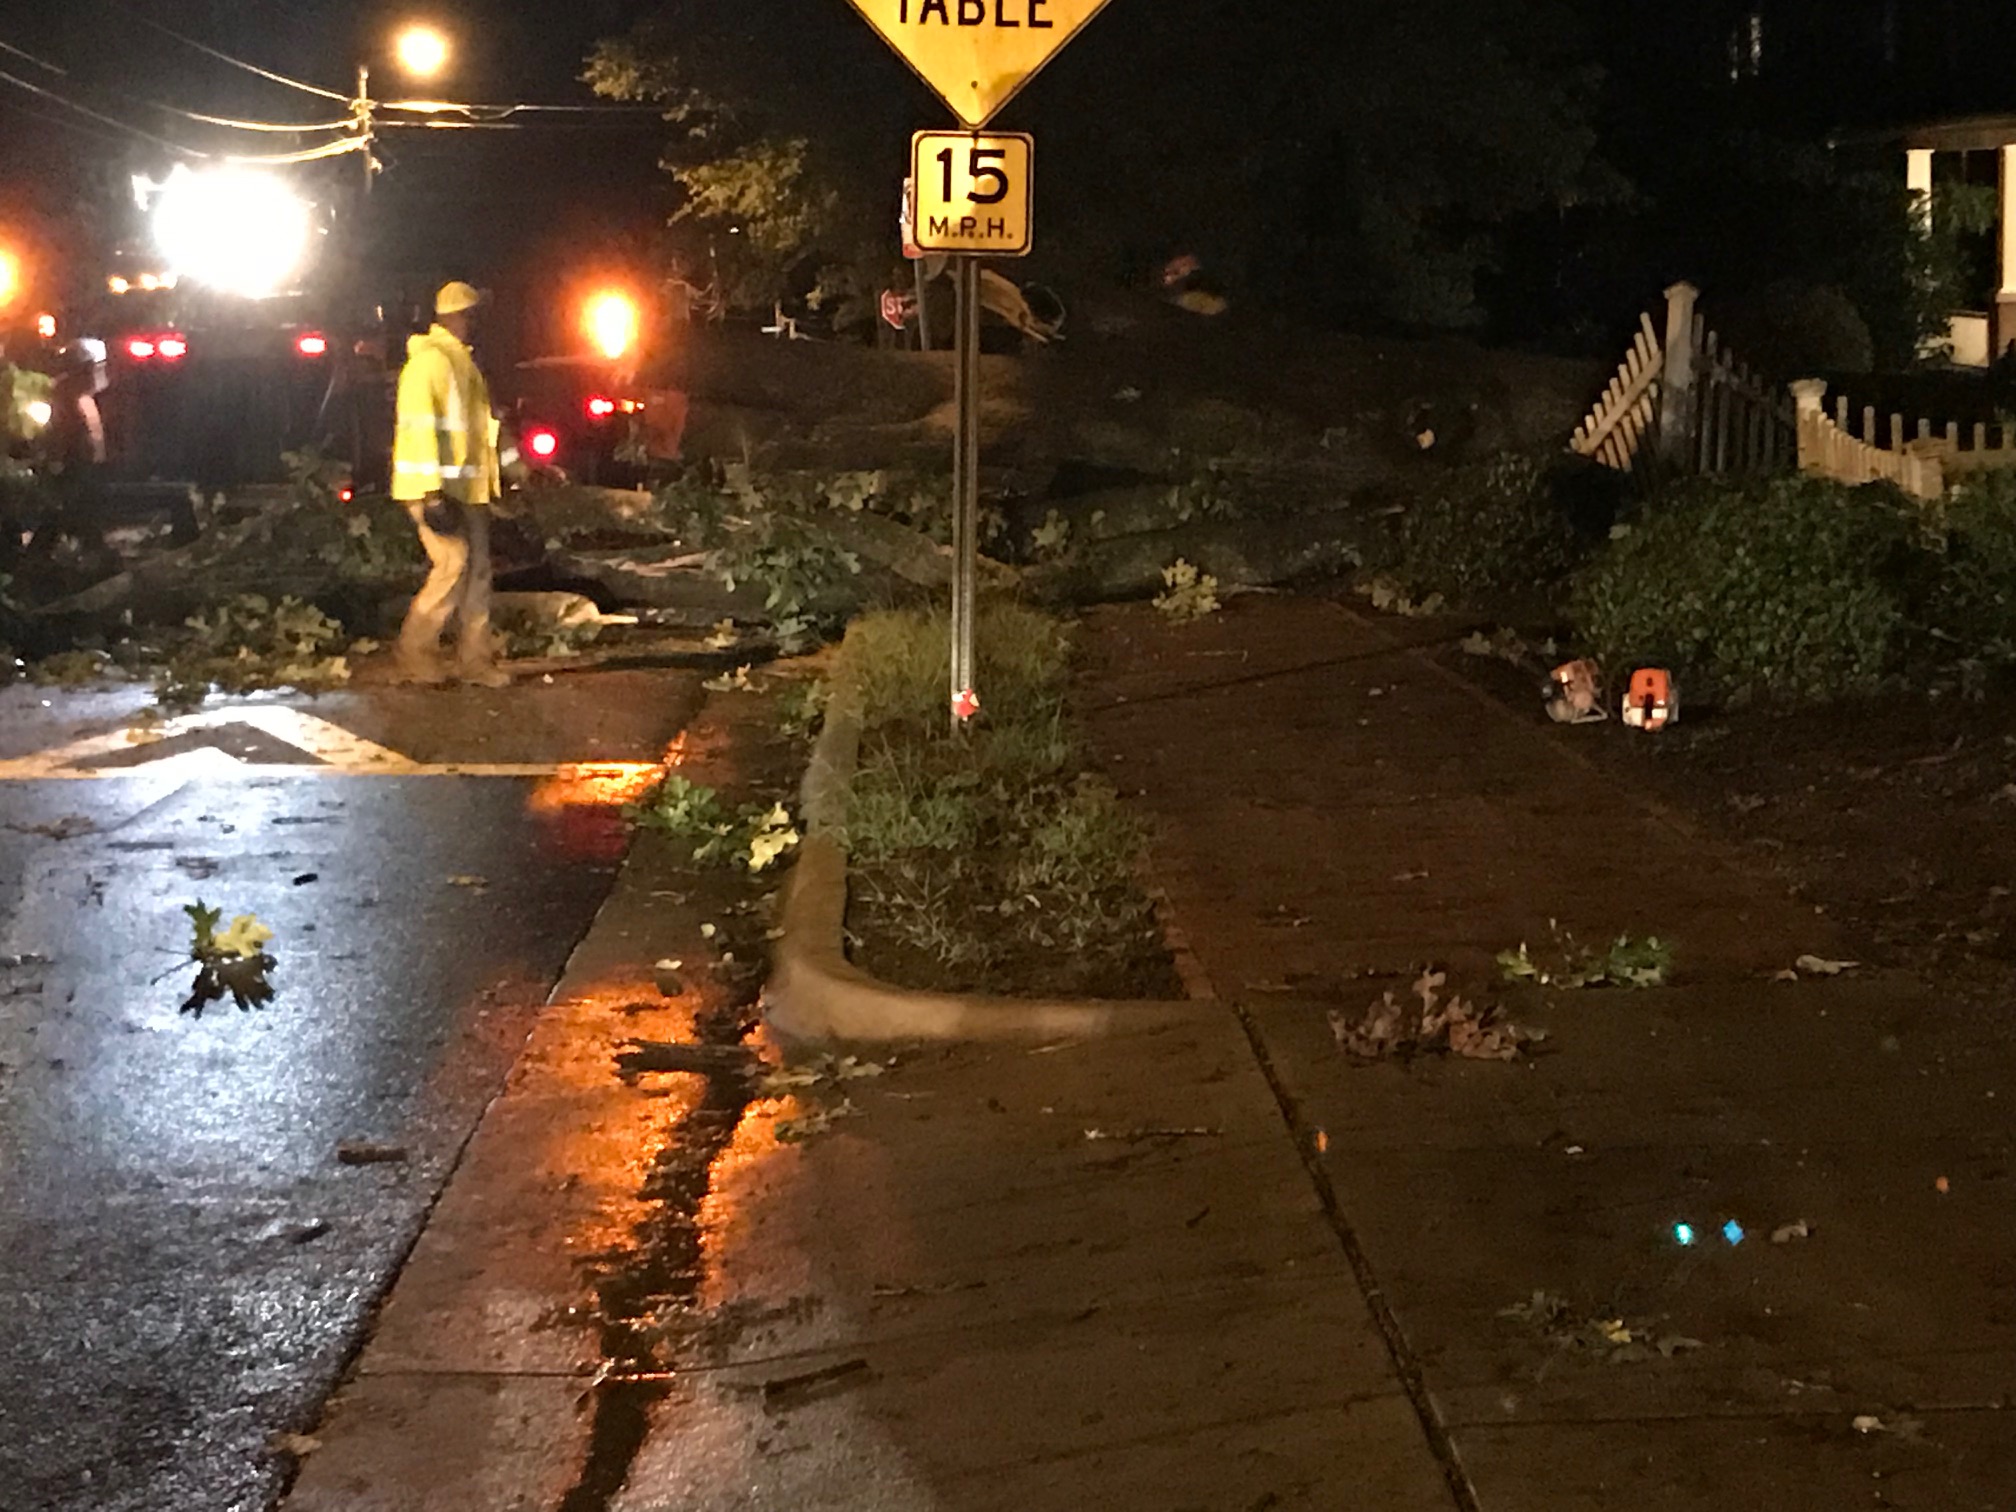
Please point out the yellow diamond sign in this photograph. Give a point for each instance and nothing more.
(977, 54)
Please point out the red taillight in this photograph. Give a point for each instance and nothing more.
(345, 494)
(172, 348)
(542, 443)
(314, 344)
(140, 350)
(600, 408)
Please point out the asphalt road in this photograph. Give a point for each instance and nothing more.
(185, 1262)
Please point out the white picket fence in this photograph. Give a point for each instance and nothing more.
(1626, 419)
(1687, 402)
(1920, 457)
(1683, 404)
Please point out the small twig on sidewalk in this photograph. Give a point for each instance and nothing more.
(941, 1290)
(786, 1385)
(1136, 1134)
(702, 1060)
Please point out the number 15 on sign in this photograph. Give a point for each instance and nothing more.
(974, 191)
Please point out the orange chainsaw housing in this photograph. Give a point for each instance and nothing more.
(1649, 703)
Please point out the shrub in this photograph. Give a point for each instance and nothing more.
(1791, 329)
(1508, 523)
(1793, 587)
(1969, 599)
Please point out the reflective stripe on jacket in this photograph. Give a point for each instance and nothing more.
(444, 439)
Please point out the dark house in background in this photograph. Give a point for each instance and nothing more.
(1928, 79)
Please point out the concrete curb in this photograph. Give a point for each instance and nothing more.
(816, 993)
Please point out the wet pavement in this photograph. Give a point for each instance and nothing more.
(185, 1263)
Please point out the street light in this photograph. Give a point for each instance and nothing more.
(422, 51)
(10, 278)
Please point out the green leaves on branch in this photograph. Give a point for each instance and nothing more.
(1625, 962)
(249, 643)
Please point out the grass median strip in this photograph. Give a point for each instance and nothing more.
(992, 860)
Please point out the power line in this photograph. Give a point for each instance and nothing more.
(306, 155)
(234, 123)
(393, 125)
(224, 57)
(347, 124)
(499, 112)
(7, 102)
(8, 47)
(84, 110)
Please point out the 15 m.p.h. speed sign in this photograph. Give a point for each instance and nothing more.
(972, 192)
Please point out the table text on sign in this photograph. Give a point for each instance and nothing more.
(975, 13)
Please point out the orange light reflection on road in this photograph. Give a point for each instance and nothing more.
(599, 784)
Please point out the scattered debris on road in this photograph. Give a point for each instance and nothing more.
(811, 1380)
(814, 1122)
(1611, 1339)
(362, 1152)
(737, 681)
(69, 827)
(1787, 1233)
(234, 961)
(697, 1059)
(1817, 966)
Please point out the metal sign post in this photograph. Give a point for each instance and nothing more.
(965, 489)
(970, 196)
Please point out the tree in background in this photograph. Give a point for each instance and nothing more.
(1359, 161)
(787, 133)
(1362, 163)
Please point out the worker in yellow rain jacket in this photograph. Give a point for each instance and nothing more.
(445, 471)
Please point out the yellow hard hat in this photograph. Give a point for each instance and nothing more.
(454, 298)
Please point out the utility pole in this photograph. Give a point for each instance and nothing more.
(361, 106)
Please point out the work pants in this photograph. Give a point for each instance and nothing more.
(458, 588)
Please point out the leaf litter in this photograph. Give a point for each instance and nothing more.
(1610, 1338)
(828, 1076)
(1428, 1022)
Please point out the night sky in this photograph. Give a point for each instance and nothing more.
(1177, 81)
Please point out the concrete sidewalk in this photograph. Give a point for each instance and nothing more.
(1355, 812)
(1215, 1265)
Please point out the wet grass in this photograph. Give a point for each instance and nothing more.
(994, 859)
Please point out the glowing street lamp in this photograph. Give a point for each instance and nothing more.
(10, 278)
(422, 51)
(613, 323)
